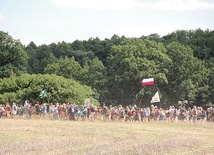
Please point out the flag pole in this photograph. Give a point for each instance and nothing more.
(140, 101)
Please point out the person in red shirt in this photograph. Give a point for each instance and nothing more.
(8, 110)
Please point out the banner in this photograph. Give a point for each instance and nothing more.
(43, 94)
(148, 82)
(87, 101)
(155, 98)
(140, 93)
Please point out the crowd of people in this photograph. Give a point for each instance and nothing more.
(66, 111)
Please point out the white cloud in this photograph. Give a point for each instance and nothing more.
(182, 5)
(1, 18)
(179, 5)
(55, 24)
(99, 4)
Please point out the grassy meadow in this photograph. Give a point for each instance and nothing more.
(55, 137)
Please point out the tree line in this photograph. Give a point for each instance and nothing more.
(182, 64)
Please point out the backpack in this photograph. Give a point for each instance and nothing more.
(104, 110)
(156, 112)
(121, 113)
(15, 108)
(175, 112)
(21, 109)
(194, 112)
(146, 114)
(52, 110)
(85, 111)
(92, 109)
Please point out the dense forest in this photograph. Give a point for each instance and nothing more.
(111, 70)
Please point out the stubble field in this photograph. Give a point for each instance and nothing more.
(48, 137)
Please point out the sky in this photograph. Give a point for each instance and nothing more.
(53, 21)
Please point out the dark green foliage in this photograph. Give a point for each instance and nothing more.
(13, 58)
(68, 68)
(40, 57)
(132, 61)
(187, 74)
(95, 75)
(200, 41)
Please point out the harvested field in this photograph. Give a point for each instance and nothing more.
(20, 136)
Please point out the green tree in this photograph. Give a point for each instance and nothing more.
(132, 61)
(95, 75)
(78, 45)
(154, 37)
(187, 74)
(206, 93)
(13, 58)
(29, 87)
(62, 50)
(40, 57)
(68, 68)
(200, 41)
(31, 52)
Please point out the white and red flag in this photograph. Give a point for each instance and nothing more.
(148, 82)
(155, 98)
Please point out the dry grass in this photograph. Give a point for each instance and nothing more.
(68, 137)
